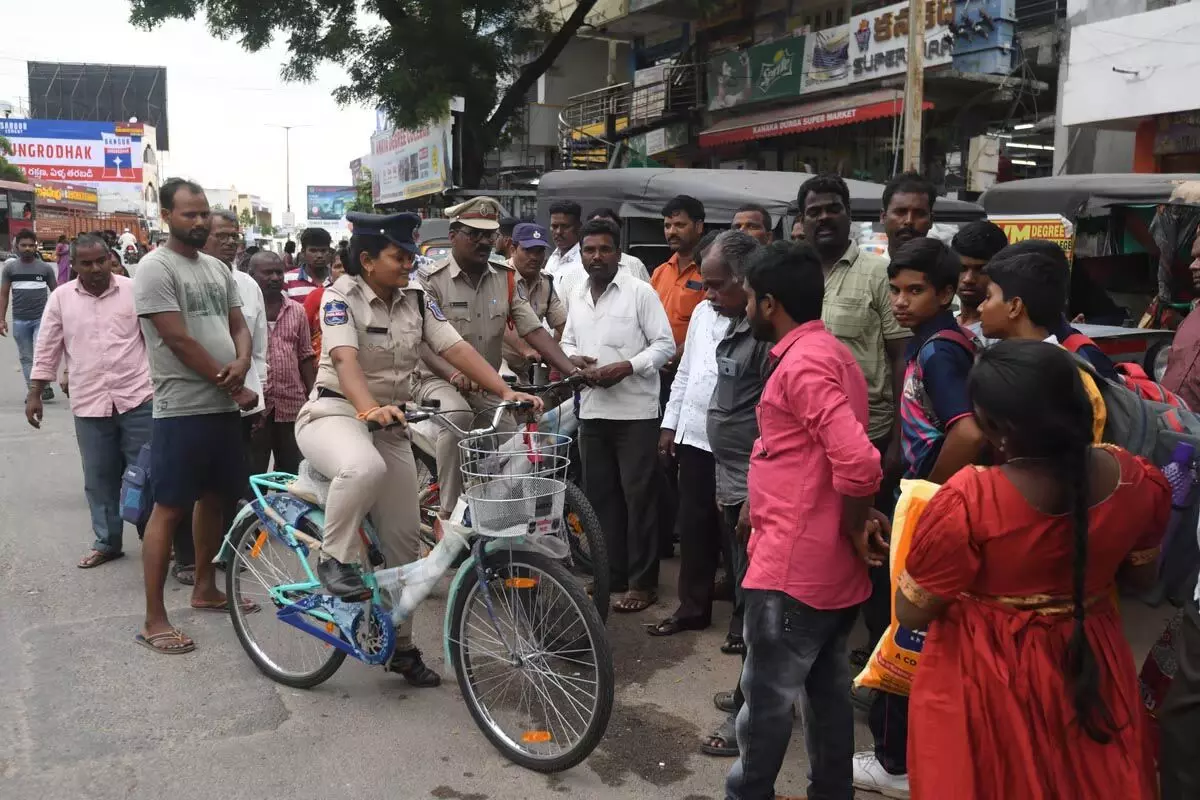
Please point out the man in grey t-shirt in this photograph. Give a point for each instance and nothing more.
(199, 351)
(27, 281)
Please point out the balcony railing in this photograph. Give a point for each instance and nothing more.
(591, 124)
(1040, 13)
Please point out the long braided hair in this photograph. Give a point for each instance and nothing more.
(1030, 393)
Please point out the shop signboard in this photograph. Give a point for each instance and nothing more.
(329, 203)
(762, 72)
(410, 163)
(67, 196)
(1053, 228)
(827, 59)
(880, 40)
(1177, 133)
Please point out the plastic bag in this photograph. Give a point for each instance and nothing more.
(406, 587)
(894, 661)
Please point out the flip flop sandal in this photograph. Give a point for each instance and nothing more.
(162, 642)
(734, 646)
(634, 605)
(673, 625)
(185, 574)
(724, 701)
(726, 734)
(248, 606)
(96, 558)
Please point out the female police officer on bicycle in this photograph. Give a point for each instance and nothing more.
(373, 327)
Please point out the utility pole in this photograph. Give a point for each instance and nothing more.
(914, 86)
(287, 138)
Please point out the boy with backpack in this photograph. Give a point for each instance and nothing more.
(938, 436)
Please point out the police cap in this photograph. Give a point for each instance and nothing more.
(399, 229)
(478, 212)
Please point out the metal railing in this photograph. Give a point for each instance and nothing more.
(1039, 13)
(591, 124)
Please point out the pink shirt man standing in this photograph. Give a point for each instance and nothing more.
(92, 323)
(813, 476)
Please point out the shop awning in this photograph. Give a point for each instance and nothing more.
(808, 117)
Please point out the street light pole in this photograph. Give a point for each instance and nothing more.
(287, 146)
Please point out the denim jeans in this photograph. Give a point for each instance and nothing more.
(25, 333)
(106, 446)
(794, 650)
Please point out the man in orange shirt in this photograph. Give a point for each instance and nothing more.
(677, 281)
(680, 288)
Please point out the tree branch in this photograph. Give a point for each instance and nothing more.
(515, 94)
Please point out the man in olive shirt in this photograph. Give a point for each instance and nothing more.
(481, 298)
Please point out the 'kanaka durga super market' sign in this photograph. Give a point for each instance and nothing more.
(75, 151)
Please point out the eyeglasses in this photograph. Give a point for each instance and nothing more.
(477, 234)
(226, 237)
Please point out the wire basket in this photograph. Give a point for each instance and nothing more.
(514, 483)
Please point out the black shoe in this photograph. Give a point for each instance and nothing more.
(342, 580)
(47, 393)
(408, 662)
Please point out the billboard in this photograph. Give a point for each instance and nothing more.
(75, 152)
(67, 196)
(410, 163)
(329, 203)
(762, 72)
(100, 92)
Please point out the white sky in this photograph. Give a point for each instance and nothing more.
(220, 98)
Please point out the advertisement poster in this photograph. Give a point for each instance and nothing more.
(879, 45)
(75, 151)
(410, 163)
(67, 196)
(763, 72)
(827, 56)
(328, 203)
(1021, 227)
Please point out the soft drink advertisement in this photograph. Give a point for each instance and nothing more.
(75, 151)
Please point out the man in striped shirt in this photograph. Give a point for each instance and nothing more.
(291, 369)
(313, 272)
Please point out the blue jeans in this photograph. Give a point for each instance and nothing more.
(25, 333)
(106, 446)
(791, 650)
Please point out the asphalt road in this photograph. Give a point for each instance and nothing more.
(85, 713)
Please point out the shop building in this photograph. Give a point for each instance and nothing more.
(1130, 101)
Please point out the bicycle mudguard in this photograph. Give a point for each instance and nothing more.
(290, 508)
(468, 566)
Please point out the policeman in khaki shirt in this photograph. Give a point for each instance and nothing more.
(481, 298)
(372, 325)
(530, 246)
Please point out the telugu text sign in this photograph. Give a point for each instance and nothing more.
(74, 151)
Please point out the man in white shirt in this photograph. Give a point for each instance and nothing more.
(566, 217)
(222, 245)
(572, 277)
(684, 441)
(619, 334)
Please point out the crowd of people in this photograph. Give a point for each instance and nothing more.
(757, 401)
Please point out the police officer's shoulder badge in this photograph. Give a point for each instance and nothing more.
(435, 309)
(336, 312)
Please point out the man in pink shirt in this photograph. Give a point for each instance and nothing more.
(92, 322)
(813, 476)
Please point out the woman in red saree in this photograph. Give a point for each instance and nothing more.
(1026, 687)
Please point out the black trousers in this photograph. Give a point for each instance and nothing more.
(1179, 717)
(667, 476)
(736, 563)
(700, 539)
(619, 464)
(274, 438)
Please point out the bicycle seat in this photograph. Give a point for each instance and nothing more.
(310, 485)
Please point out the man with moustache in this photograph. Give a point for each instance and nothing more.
(907, 209)
(975, 244)
(91, 321)
(618, 334)
(199, 349)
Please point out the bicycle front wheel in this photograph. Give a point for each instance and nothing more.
(261, 563)
(536, 670)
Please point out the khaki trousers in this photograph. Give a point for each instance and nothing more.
(465, 410)
(369, 473)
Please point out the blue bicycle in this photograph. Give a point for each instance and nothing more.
(528, 647)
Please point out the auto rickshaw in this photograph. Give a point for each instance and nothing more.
(1129, 238)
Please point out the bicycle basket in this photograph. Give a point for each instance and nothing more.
(514, 483)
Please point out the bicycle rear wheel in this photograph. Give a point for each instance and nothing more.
(283, 653)
(589, 551)
(428, 496)
(541, 686)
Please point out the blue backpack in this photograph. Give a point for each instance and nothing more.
(136, 500)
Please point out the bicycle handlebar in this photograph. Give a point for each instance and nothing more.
(434, 410)
(569, 381)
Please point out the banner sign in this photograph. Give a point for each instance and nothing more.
(762, 72)
(880, 46)
(75, 151)
(410, 163)
(67, 195)
(1053, 228)
(329, 202)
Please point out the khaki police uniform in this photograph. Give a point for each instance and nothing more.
(369, 472)
(547, 305)
(479, 312)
